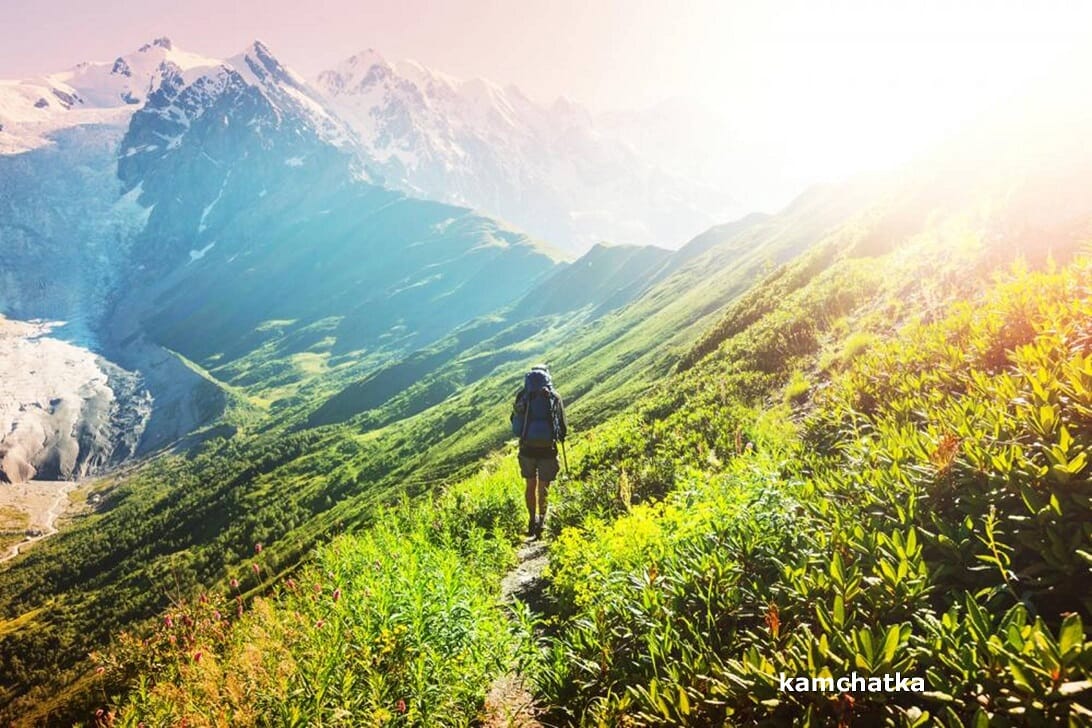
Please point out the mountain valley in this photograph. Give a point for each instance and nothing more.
(273, 329)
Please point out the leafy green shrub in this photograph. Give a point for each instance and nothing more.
(398, 625)
(796, 391)
(931, 519)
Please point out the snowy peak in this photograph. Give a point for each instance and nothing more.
(161, 42)
(111, 92)
(131, 78)
(547, 168)
(260, 67)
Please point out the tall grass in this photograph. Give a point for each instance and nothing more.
(400, 624)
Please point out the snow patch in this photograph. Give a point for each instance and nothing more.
(201, 226)
(199, 254)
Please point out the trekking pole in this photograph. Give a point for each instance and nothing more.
(564, 458)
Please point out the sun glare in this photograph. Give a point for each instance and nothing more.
(850, 88)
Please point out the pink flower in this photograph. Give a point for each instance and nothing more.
(257, 548)
(291, 584)
(400, 706)
(318, 624)
(337, 594)
(256, 568)
(169, 621)
(197, 656)
(99, 670)
(234, 583)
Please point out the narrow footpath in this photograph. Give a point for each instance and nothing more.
(48, 521)
(509, 703)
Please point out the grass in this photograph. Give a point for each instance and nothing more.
(924, 511)
(399, 624)
(933, 503)
(796, 391)
(13, 526)
(678, 402)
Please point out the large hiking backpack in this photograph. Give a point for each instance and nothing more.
(535, 417)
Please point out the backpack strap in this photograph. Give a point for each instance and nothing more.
(526, 414)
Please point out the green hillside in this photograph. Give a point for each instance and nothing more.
(879, 467)
(785, 392)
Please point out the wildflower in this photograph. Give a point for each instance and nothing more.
(99, 670)
(291, 584)
(197, 656)
(773, 619)
(256, 568)
(337, 595)
(400, 706)
(204, 598)
(234, 583)
(169, 621)
(257, 548)
(318, 588)
(318, 624)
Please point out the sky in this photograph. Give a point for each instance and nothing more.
(839, 86)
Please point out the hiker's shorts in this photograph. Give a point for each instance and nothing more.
(545, 468)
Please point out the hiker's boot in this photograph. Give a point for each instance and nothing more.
(532, 527)
(540, 522)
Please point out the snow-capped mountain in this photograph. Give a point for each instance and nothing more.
(550, 169)
(90, 93)
(67, 138)
(109, 93)
(166, 204)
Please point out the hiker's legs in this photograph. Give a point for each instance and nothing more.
(542, 486)
(529, 495)
(547, 472)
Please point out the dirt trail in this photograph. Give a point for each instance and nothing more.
(44, 521)
(509, 703)
(524, 581)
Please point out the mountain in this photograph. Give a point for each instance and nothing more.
(723, 343)
(193, 219)
(549, 169)
(770, 424)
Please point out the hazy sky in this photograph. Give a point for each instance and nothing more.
(846, 84)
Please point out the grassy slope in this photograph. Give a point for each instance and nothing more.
(186, 520)
(895, 515)
(180, 523)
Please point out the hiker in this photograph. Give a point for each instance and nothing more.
(538, 419)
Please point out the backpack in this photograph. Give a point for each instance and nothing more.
(535, 417)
